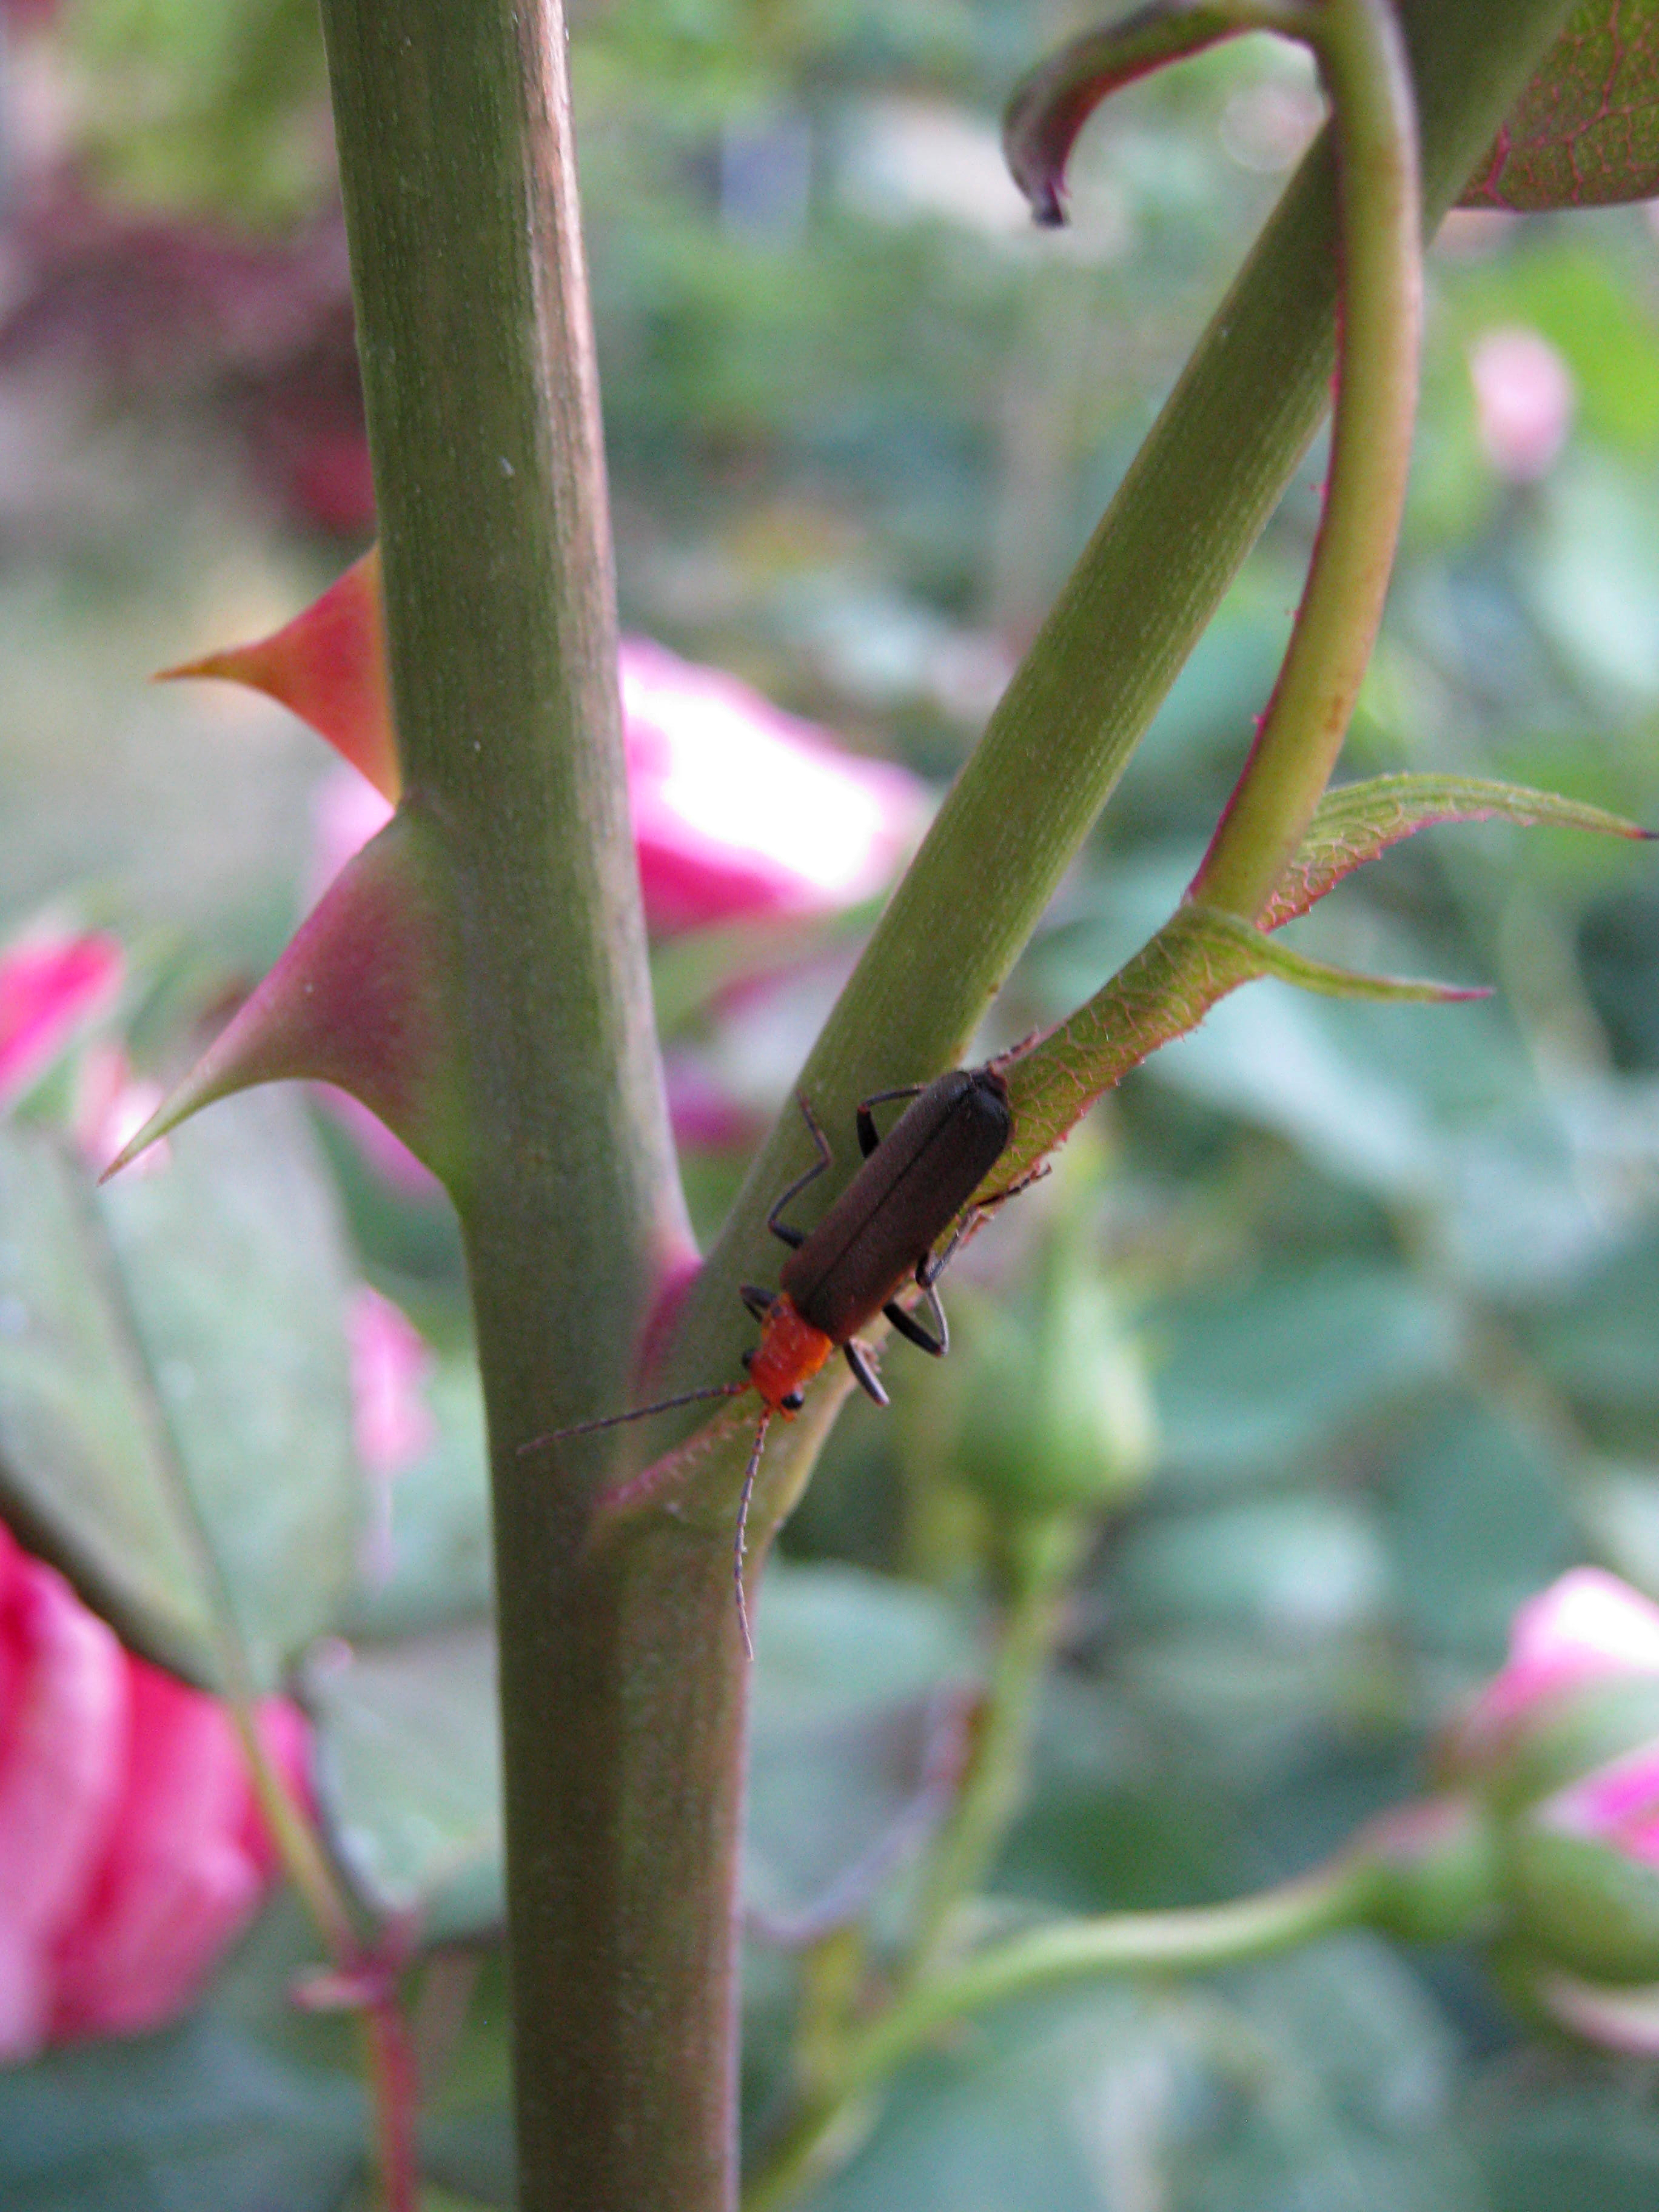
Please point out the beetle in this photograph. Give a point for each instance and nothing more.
(878, 1235)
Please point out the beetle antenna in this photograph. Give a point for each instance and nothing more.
(740, 1543)
(639, 1412)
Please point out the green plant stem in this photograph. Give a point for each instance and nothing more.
(1039, 1556)
(1380, 249)
(1189, 510)
(623, 1678)
(1192, 1941)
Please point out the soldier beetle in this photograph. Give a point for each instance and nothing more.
(878, 1234)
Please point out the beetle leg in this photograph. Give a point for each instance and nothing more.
(1001, 1060)
(908, 1326)
(759, 1302)
(863, 1373)
(869, 1136)
(931, 1266)
(1001, 1197)
(795, 1238)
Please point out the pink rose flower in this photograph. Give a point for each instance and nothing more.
(50, 985)
(740, 811)
(1524, 401)
(132, 1851)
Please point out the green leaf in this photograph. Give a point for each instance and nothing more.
(181, 1337)
(1332, 2086)
(1585, 133)
(1588, 2142)
(847, 1667)
(1249, 1377)
(1290, 1569)
(1478, 1522)
(1357, 821)
(200, 2120)
(1320, 2080)
(1036, 2104)
(250, 2106)
(408, 1759)
(409, 1771)
(439, 1532)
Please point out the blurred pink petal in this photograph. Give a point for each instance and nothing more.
(742, 810)
(739, 809)
(48, 986)
(63, 1700)
(1587, 1627)
(393, 1424)
(346, 811)
(1524, 400)
(389, 1365)
(132, 1851)
(112, 1104)
(1617, 1805)
(706, 1115)
(176, 1885)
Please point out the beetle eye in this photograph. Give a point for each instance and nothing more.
(794, 1401)
(749, 1357)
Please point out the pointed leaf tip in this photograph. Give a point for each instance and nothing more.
(1358, 822)
(360, 998)
(328, 666)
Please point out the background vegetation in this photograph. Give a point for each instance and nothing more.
(1386, 1278)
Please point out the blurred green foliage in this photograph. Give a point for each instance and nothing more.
(1393, 1272)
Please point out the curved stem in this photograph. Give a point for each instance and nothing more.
(1334, 1896)
(1364, 60)
(1189, 510)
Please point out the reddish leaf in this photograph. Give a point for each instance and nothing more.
(328, 666)
(1356, 821)
(360, 998)
(1585, 132)
(1052, 104)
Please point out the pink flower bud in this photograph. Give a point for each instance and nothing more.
(1525, 399)
(1561, 1749)
(48, 986)
(1585, 1629)
(132, 1851)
